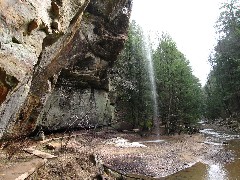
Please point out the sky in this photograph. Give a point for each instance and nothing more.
(190, 23)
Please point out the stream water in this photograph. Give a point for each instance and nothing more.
(217, 157)
(214, 170)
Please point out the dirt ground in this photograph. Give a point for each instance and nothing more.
(83, 155)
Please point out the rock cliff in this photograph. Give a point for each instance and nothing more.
(54, 62)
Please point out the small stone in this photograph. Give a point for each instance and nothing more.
(16, 40)
(41, 136)
(55, 25)
(136, 130)
(55, 10)
(53, 146)
(32, 25)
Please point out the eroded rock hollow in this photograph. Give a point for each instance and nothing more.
(54, 62)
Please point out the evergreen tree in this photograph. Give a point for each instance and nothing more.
(131, 81)
(179, 92)
(178, 89)
(223, 86)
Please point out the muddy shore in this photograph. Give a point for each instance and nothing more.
(85, 153)
(160, 159)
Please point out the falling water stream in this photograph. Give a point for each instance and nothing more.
(148, 54)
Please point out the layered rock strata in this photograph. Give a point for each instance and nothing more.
(54, 61)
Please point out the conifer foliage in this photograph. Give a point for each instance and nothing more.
(179, 91)
(222, 90)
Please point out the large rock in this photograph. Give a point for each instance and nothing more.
(54, 61)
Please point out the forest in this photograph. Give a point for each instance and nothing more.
(181, 99)
(86, 95)
(222, 90)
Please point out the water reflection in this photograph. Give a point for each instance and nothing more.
(216, 172)
(233, 168)
(196, 172)
(201, 171)
(210, 169)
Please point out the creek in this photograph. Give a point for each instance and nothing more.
(209, 155)
(221, 163)
(209, 169)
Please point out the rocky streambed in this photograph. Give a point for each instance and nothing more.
(162, 158)
(113, 155)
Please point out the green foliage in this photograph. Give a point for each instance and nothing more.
(223, 87)
(213, 102)
(131, 80)
(179, 91)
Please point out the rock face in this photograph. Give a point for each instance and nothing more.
(54, 61)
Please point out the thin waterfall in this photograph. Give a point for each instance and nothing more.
(148, 53)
